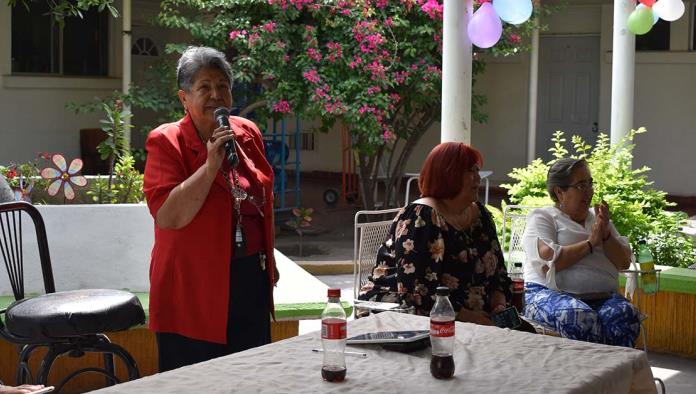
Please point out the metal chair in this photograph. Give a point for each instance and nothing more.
(513, 251)
(370, 230)
(67, 322)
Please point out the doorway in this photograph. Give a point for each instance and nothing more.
(568, 90)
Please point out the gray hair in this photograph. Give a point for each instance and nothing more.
(196, 58)
(560, 174)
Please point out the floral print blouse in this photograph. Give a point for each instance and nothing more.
(422, 252)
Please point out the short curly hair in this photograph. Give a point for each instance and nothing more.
(196, 58)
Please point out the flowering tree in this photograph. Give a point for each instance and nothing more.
(372, 66)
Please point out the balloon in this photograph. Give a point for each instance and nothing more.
(655, 17)
(648, 3)
(640, 21)
(485, 28)
(513, 11)
(669, 10)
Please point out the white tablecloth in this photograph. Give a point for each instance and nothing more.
(487, 359)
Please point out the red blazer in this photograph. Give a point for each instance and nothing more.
(190, 267)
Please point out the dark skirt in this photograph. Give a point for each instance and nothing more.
(248, 320)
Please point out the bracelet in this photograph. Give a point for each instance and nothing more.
(607, 238)
(590, 245)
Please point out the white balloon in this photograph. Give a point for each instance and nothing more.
(669, 10)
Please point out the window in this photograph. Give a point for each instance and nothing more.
(657, 39)
(693, 28)
(144, 47)
(40, 46)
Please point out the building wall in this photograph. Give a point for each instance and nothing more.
(34, 118)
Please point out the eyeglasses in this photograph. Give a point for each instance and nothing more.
(582, 186)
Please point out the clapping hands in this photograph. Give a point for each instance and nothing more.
(600, 228)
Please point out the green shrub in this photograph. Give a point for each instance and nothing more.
(125, 186)
(637, 209)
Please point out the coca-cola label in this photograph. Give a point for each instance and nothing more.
(333, 329)
(442, 328)
(518, 285)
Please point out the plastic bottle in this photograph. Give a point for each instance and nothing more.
(645, 260)
(333, 338)
(442, 335)
(517, 276)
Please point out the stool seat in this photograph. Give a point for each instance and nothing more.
(74, 313)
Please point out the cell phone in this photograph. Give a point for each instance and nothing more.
(507, 318)
(46, 389)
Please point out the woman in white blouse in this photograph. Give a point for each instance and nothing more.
(573, 255)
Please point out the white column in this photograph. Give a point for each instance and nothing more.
(456, 72)
(533, 95)
(622, 71)
(126, 37)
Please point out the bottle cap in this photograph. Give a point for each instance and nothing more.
(442, 291)
(335, 293)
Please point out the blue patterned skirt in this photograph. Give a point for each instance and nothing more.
(612, 321)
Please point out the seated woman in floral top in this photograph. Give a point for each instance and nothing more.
(446, 238)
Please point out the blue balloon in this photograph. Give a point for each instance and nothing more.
(513, 11)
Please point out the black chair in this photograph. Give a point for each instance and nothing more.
(66, 322)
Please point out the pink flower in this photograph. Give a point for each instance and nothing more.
(312, 76)
(282, 107)
(388, 135)
(314, 54)
(237, 33)
(269, 27)
(373, 89)
(286, 58)
(433, 8)
(514, 38)
(253, 37)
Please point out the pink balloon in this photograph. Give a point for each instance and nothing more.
(485, 27)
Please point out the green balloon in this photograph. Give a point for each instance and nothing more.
(640, 21)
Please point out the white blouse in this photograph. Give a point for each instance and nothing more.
(593, 273)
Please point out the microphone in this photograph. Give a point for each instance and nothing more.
(221, 115)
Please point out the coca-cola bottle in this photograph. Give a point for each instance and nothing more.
(517, 276)
(442, 335)
(333, 338)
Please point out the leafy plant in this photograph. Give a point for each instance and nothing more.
(637, 209)
(23, 177)
(60, 9)
(302, 219)
(126, 185)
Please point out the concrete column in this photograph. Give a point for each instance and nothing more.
(622, 71)
(126, 79)
(533, 95)
(456, 72)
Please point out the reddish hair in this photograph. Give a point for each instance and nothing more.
(441, 175)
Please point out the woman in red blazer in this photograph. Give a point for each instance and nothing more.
(212, 269)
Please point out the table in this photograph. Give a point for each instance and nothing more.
(484, 174)
(487, 359)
